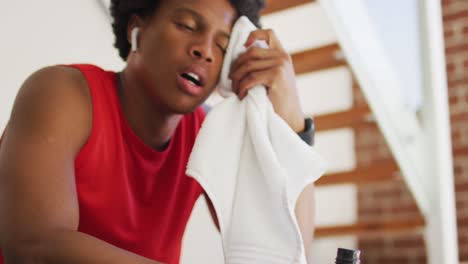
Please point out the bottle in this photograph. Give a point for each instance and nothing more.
(347, 256)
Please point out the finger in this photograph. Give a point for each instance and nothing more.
(267, 35)
(253, 79)
(252, 66)
(235, 86)
(255, 53)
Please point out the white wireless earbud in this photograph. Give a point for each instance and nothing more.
(134, 39)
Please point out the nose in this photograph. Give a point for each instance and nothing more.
(202, 51)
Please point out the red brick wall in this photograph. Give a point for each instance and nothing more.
(383, 201)
(391, 199)
(456, 44)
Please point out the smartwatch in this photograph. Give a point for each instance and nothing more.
(309, 131)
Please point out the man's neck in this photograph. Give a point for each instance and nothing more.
(152, 125)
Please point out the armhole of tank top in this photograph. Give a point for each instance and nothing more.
(85, 149)
(3, 134)
(203, 111)
(200, 115)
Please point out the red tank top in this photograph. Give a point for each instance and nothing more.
(130, 195)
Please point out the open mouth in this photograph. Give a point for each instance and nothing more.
(192, 77)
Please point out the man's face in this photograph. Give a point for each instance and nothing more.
(181, 51)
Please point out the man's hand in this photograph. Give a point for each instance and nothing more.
(272, 68)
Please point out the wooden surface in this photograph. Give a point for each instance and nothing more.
(348, 118)
(379, 171)
(377, 228)
(317, 59)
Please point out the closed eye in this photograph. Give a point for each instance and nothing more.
(184, 26)
(222, 49)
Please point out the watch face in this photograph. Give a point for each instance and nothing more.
(311, 129)
(308, 134)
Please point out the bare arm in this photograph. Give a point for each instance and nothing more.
(305, 209)
(50, 122)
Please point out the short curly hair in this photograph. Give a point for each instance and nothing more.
(122, 11)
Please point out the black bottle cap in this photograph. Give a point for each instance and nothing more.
(346, 256)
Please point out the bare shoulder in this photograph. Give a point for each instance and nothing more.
(54, 99)
(55, 82)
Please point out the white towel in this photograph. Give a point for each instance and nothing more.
(253, 167)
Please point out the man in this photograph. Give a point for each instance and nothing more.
(92, 163)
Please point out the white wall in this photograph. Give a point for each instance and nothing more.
(397, 25)
(48, 32)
